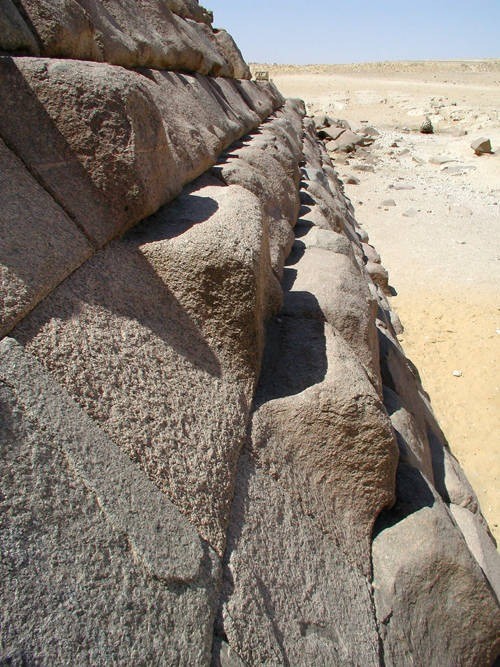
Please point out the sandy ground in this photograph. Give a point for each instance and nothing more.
(440, 241)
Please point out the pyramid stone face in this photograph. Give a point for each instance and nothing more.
(214, 448)
(89, 544)
(175, 35)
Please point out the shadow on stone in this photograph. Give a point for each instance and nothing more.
(402, 376)
(119, 280)
(174, 219)
(412, 493)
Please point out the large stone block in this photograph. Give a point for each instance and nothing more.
(433, 603)
(97, 565)
(480, 542)
(341, 297)
(261, 174)
(93, 137)
(321, 429)
(190, 9)
(401, 376)
(290, 595)
(63, 28)
(112, 146)
(159, 338)
(413, 444)
(260, 96)
(146, 33)
(232, 54)
(39, 244)
(202, 116)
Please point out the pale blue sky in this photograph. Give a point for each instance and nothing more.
(322, 31)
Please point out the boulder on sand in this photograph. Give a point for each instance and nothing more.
(346, 142)
(426, 127)
(481, 146)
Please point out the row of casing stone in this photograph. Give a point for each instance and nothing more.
(161, 34)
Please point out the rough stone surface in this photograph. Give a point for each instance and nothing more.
(88, 542)
(332, 133)
(399, 374)
(426, 127)
(347, 142)
(370, 253)
(15, 36)
(190, 9)
(173, 35)
(278, 607)
(112, 146)
(327, 285)
(62, 28)
(413, 447)
(480, 543)
(419, 557)
(232, 54)
(39, 244)
(313, 392)
(224, 655)
(379, 276)
(263, 175)
(92, 136)
(159, 338)
(481, 145)
(215, 411)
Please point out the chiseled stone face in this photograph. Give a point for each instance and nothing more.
(159, 338)
(174, 35)
(420, 558)
(113, 145)
(99, 147)
(39, 244)
(97, 564)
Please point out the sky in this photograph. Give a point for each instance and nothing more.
(322, 31)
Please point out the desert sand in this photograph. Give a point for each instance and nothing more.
(440, 237)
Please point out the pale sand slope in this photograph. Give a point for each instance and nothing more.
(443, 260)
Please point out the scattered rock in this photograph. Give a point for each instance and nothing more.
(352, 180)
(387, 202)
(410, 213)
(369, 131)
(340, 122)
(330, 132)
(458, 169)
(363, 167)
(347, 142)
(457, 374)
(320, 121)
(426, 127)
(481, 146)
(402, 186)
(441, 159)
